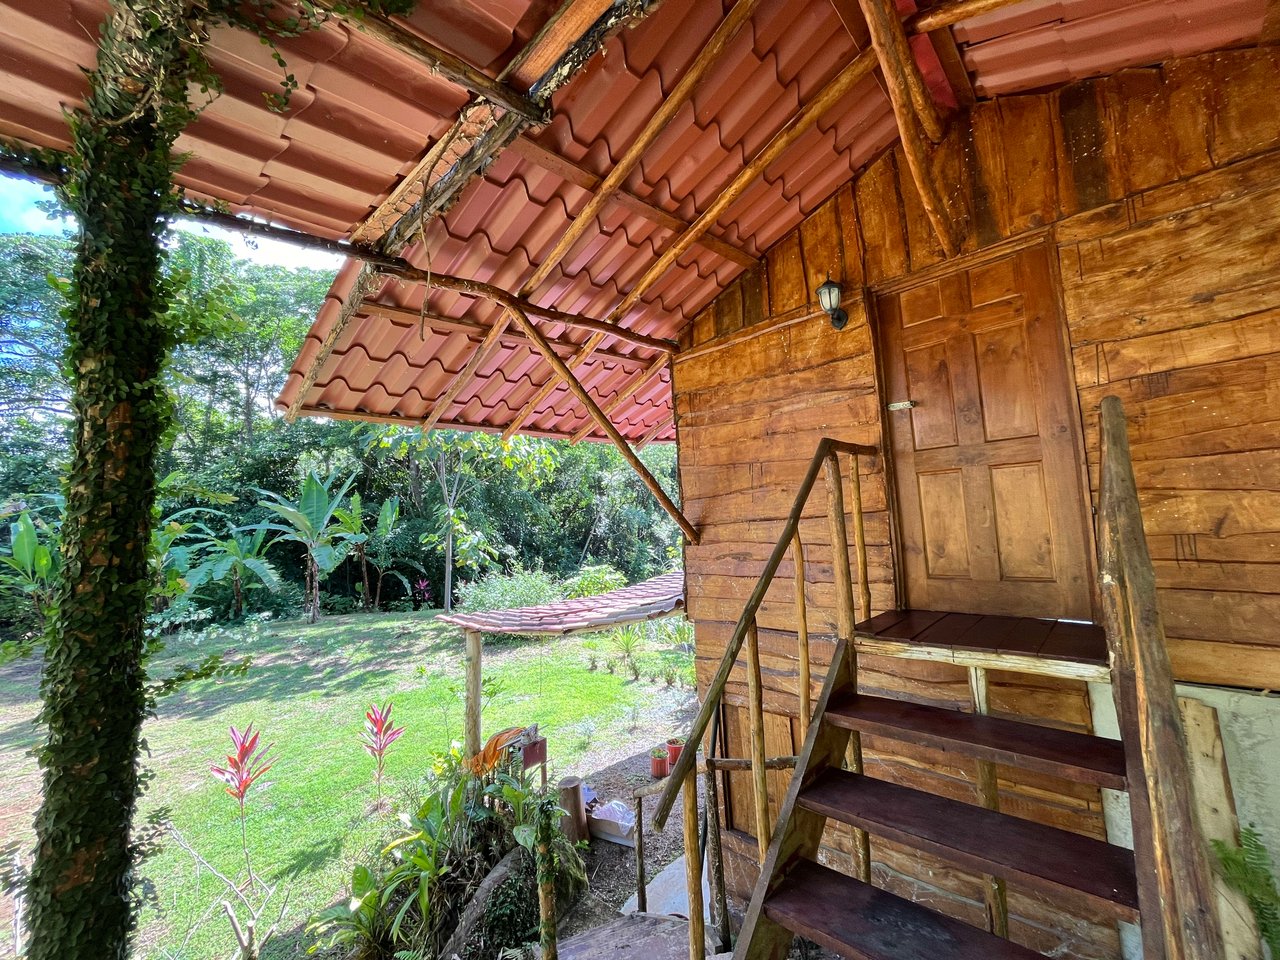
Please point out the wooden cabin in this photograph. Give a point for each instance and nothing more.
(616, 221)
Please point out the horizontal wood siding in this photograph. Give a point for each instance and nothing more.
(1160, 191)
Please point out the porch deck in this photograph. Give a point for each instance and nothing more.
(1069, 648)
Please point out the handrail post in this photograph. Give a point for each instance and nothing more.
(642, 891)
(693, 866)
(802, 637)
(1176, 881)
(845, 622)
(859, 540)
(759, 776)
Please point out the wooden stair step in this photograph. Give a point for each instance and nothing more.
(984, 841)
(860, 922)
(1061, 753)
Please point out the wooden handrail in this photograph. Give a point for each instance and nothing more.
(1176, 881)
(715, 691)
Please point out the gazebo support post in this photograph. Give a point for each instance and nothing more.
(471, 739)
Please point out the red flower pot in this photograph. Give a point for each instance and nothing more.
(657, 766)
(674, 746)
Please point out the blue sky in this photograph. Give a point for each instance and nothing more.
(19, 214)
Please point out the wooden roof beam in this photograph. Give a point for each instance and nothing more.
(602, 421)
(795, 128)
(728, 29)
(451, 67)
(512, 336)
(487, 347)
(888, 40)
(485, 138)
(946, 14)
(652, 435)
(580, 176)
(626, 393)
(848, 78)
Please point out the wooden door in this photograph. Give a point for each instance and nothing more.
(992, 515)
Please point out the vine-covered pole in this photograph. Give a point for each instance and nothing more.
(120, 190)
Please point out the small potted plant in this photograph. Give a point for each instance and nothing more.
(658, 762)
(674, 746)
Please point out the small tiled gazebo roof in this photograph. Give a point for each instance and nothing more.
(660, 597)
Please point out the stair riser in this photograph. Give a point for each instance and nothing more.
(981, 752)
(967, 861)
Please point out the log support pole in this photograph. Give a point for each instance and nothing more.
(759, 776)
(471, 736)
(693, 868)
(988, 790)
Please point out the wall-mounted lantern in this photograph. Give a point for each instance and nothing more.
(829, 299)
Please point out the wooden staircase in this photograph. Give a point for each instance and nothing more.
(796, 895)
(1164, 884)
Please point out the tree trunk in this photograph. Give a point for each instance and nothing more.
(448, 564)
(313, 573)
(377, 597)
(366, 599)
(238, 592)
(94, 681)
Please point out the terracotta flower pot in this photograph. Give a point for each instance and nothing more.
(657, 765)
(674, 746)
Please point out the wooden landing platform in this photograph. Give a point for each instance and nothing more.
(636, 936)
(1058, 648)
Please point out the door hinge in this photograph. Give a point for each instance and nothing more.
(902, 405)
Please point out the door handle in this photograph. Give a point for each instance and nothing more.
(902, 405)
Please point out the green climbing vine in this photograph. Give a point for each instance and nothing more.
(151, 80)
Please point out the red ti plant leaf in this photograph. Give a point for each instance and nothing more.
(246, 765)
(378, 734)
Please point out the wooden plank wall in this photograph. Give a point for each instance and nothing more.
(1161, 193)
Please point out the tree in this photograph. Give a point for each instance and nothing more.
(118, 182)
(240, 557)
(459, 463)
(312, 522)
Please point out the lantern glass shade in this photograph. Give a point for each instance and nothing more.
(829, 295)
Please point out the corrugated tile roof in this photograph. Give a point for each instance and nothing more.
(364, 115)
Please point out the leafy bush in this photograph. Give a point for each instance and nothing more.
(594, 579)
(1248, 870)
(411, 896)
(519, 588)
(627, 641)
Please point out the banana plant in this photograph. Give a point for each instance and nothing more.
(30, 567)
(240, 557)
(312, 521)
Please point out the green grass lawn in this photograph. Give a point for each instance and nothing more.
(306, 692)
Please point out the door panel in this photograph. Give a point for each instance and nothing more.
(992, 515)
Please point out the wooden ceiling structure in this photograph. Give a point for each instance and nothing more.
(536, 201)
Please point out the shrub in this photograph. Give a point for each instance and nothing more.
(594, 579)
(519, 588)
(627, 641)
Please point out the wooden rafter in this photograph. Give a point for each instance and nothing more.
(666, 112)
(652, 435)
(453, 68)
(946, 14)
(491, 342)
(888, 40)
(637, 384)
(512, 336)
(605, 424)
(559, 51)
(579, 176)
(610, 188)
(793, 130)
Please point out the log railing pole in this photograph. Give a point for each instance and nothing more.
(988, 790)
(693, 867)
(845, 623)
(802, 637)
(1172, 858)
(642, 893)
(471, 734)
(715, 689)
(759, 776)
(860, 541)
(715, 861)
